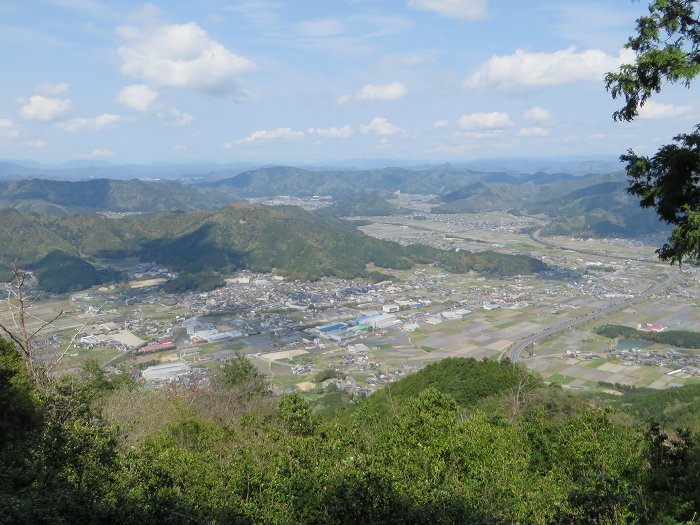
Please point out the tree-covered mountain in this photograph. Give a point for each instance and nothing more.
(595, 206)
(53, 197)
(367, 204)
(285, 239)
(60, 272)
(601, 210)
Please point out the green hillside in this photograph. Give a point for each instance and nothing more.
(369, 204)
(600, 210)
(53, 197)
(467, 381)
(286, 240)
(60, 272)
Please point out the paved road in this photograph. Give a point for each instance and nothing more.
(516, 348)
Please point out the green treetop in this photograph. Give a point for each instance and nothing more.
(667, 48)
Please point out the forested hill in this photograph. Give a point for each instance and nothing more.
(359, 204)
(53, 197)
(464, 442)
(286, 240)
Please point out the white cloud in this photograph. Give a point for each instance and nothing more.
(441, 124)
(375, 92)
(462, 9)
(494, 120)
(137, 96)
(264, 135)
(344, 132)
(51, 90)
(524, 69)
(7, 129)
(478, 135)
(92, 124)
(175, 117)
(656, 111)
(183, 56)
(179, 147)
(43, 109)
(322, 27)
(392, 91)
(95, 154)
(100, 153)
(537, 114)
(534, 131)
(381, 126)
(37, 144)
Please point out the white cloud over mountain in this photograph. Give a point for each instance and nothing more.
(264, 135)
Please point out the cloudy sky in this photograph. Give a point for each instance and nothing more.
(319, 81)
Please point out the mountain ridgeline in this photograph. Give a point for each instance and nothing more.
(286, 240)
(54, 197)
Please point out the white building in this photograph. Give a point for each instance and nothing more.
(166, 372)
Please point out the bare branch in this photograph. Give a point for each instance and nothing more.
(45, 324)
(11, 336)
(72, 340)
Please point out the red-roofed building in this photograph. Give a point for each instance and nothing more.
(651, 327)
(165, 344)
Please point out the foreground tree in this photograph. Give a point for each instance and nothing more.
(667, 48)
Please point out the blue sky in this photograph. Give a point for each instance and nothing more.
(304, 81)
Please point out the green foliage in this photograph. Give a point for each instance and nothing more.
(239, 372)
(669, 182)
(18, 410)
(673, 407)
(429, 461)
(667, 48)
(466, 380)
(328, 374)
(679, 338)
(295, 415)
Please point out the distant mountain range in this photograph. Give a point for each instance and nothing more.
(52, 197)
(286, 240)
(584, 205)
(288, 180)
(593, 206)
